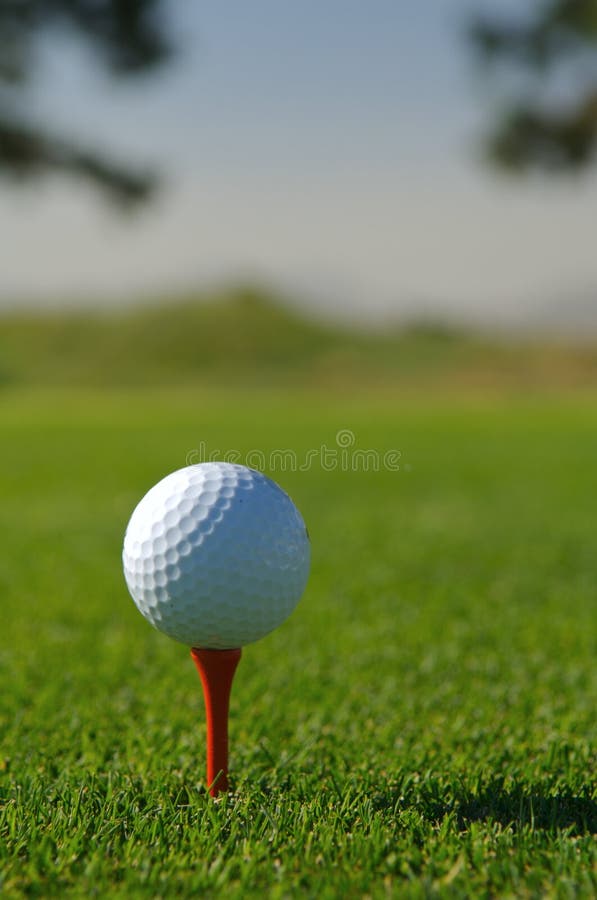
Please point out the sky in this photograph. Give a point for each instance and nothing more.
(329, 149)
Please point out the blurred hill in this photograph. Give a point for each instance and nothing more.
(246, 337)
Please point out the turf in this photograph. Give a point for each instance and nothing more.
(255, 338)
(423, 725)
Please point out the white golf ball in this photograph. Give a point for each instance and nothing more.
(216, 555)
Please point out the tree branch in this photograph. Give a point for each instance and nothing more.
(26, 151)
(529, 138)
(535, 132)
(130, 38)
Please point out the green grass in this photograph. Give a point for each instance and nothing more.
(249, 337)
(423, 725)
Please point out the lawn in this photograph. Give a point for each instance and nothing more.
(423, 725)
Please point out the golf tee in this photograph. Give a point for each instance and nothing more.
(216, 669)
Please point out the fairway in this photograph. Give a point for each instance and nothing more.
(423, 724)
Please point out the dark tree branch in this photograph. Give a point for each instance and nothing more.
(130, 38)
(27, 152)
(530, 139)
(535, 132)
(129, 35)
(563, 27)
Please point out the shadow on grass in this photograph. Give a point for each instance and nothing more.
(518, 807)
(514, 806)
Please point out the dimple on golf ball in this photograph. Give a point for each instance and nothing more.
(216, 555)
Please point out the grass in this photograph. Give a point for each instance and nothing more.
(423, 725)
(247, 336)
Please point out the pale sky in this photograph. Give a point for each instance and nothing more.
(327, 148)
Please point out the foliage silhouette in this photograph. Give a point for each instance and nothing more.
(536, 130)
(128, 36)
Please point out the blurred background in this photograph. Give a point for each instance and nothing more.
(381, 194)
(295, 230)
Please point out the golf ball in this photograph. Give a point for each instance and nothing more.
(216, 555)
